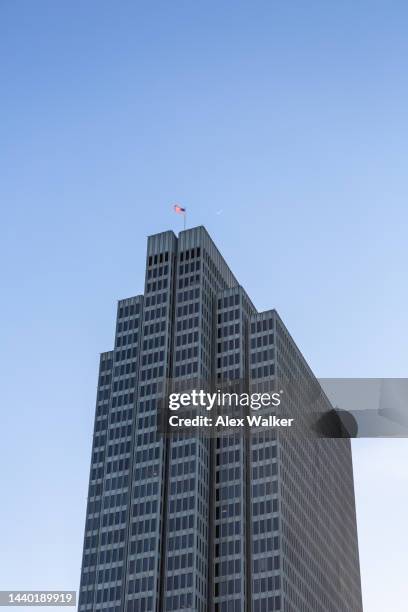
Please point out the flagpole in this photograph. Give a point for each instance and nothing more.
(181, 211)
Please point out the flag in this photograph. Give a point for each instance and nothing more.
(179, 209)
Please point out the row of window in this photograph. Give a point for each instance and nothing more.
(128, 339)
(113, 518)
(179, 581)
(266, 563)
(228, 510)
(228, 587)
(228, 330)
(266, 545)
(263, 355)
(148, 489)
(125, 368)
(111, 555)
(129, 311)
(117, 482)
(183, 467)
(228, 474)
(228, 360)
(190, 254)
(127, 325)
(159, 271)
(261, 326)
(182, 504)
(119, 448)
(189, 353)
(266, 340)
(156, 298)
(265, 471)
(153, 343)
(190, 338)
(150, 373)
(262, 453)
(232, 605)
(147, 454)
(229, 375)
(227, 568)
(228, 529)
(129, 353)
(188, 309)
(186, 369)
(117, 465)
(112, 536)
(140, 585)
(228, 315)
(228, 493)
(267, 604)
(124, 383)
(146, 507)
(150, 470)
(144, 526)
(105, 379)
(188, 268)
(156, 285)
(181, 542)
(141, 564)
(151, 389)
(155, 313)
(105, 365)
(102, 595)
(154, 328)
(182, 486)
(264, 526)
(159, 258)
(228, 548)
(120, 432)
(189, 323)
(263, 372)
(177, 602)
(228, 345)
(229, 301)
(264, 507)
(265, 488)
(142, 546)
(191, 294)
(176, 562)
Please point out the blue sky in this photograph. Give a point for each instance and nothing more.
(282, 127)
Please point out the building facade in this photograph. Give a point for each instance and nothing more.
(230, 523)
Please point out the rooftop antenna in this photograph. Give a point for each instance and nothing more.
(181, 211)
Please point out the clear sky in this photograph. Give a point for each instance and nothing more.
(282, 127)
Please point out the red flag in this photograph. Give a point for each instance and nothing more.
(179, 209)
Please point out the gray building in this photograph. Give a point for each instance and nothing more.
(230, 523)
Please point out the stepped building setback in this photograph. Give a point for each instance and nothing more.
(225, 523)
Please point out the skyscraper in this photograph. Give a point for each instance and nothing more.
(231, 523)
